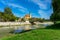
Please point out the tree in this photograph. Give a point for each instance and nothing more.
(22, 19)
(7, 15)
(56, 7)
(1, 16)
(7, 10)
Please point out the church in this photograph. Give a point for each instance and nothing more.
(27, 16)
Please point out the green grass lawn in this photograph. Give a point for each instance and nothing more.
(38, 34)
(58, 22)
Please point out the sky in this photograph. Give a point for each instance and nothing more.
(37, 8)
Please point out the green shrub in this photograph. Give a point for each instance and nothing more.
(55, 26)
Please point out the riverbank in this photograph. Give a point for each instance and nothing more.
(20, 23)
(7, 29)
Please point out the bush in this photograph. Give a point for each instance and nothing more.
(55, 26)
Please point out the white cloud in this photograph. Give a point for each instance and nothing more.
(3, 2)
(43, 5)
(1, 9)
(15, 5)
(19, 7)
(43, 14)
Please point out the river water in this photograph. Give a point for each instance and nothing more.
(18, 29)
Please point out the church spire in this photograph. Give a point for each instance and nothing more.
(30, 14)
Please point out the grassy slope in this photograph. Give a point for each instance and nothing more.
(39, 34)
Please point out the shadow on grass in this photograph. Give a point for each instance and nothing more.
(23, 31)
(54, 26)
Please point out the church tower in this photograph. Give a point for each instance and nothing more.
(27, 16)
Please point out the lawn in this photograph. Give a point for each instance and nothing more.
(38, 34)
(58, 22)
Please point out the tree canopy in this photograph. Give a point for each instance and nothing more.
(7, 15)
(56, 11)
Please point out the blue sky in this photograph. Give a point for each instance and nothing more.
(37, 8)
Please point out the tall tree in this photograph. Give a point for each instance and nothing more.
(9, 15)
(1, 16)
(56, 8)
(7, 10)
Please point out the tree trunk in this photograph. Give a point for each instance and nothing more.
(54, 22)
